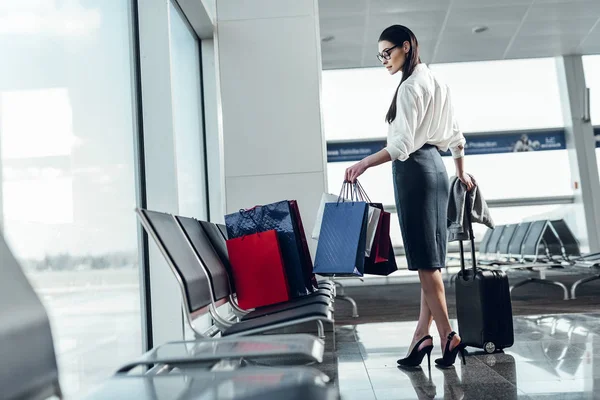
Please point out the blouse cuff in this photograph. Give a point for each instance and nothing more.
(458, 152)
(395, 153)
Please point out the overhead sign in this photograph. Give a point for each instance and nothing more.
(353, 151)
(514, 143)
(522, 141)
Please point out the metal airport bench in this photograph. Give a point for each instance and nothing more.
(292, 383)
(29, 368)
(538, 246)
(572, 254)
(532, 246)
(210, 368)
(180, 241)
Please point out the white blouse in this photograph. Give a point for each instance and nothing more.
(424, 115)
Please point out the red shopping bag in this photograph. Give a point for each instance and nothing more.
(381, 243)
(383, 268)
(257, 269)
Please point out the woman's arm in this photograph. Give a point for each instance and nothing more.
(465, 178)
(460, 165)
(360, 167)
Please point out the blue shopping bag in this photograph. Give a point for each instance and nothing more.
(279, 217)
(342, 240)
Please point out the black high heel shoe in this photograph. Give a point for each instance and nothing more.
(416, 356)
(450, 355)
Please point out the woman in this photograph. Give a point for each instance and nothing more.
(421, 121)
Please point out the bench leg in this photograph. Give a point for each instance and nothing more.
(543, 282)
(352, 302)
(581, 282)
(340, 295)
(320, 329)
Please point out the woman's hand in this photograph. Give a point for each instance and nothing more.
(468, 180)
(353, 172)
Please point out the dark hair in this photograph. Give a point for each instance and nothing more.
(398, 34)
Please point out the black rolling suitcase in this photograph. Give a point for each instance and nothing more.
(483, 305)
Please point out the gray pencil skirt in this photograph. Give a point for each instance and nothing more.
(421, 189)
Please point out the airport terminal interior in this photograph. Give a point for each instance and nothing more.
(140, 140)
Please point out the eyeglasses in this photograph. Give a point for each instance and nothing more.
(386, 54)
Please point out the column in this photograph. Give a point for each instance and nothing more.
(159, 161)
(269, 67)
(581, 148)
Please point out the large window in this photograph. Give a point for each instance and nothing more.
(488, 97)
(68, 187)
(187, 116)
(187, 122)
(504, 95)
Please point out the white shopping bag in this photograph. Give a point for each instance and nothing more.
(325, 198)
(374, 214)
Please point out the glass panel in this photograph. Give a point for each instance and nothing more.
(500, 176)
(187, 125)
(513, 175)
(355, 101)
(489, 96)
(68, 181)
(187, 116)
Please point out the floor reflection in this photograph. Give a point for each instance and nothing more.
(463, 384)
(553, 357)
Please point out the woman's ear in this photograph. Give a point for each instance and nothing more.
(406, 47)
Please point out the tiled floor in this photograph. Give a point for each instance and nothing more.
(554, 357)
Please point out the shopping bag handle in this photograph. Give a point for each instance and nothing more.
(248, 214)
(362, 194)
(350, 191)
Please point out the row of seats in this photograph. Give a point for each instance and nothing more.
(535, 241)
(244, 353)
(536, 245)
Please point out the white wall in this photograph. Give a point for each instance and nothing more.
(269, 68)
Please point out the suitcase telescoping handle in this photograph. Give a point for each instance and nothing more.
(471, 237)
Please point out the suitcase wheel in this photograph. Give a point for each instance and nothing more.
(489, 347)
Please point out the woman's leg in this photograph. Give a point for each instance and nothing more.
(433, 288)
(423, 326)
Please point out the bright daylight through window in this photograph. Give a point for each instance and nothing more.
(355, 102)
(68, 186)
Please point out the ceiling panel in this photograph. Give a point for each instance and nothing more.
(490, 16)
(592, 47)
(591, 43)
(491, 3)
(563, 10)
(580, 27)
(347, 31)
(409, 19)
(425, 25)
(502, 22)
(495, 31)
(551, 45)
(471, 48)
(338, 8)
(395, 6)
(540, 28)
(341, 57)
